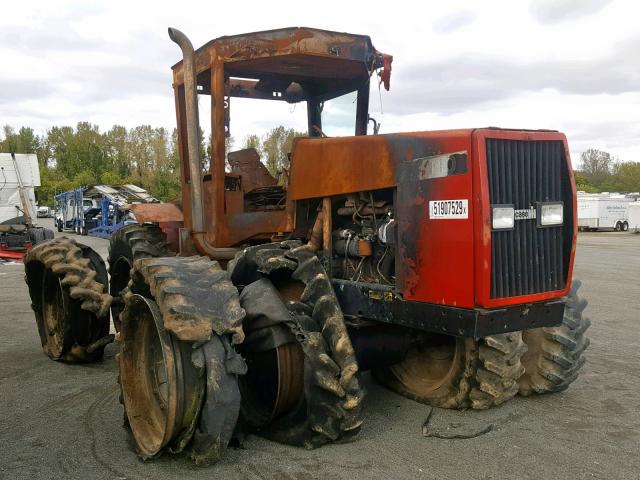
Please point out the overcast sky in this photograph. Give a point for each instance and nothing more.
(570, 65)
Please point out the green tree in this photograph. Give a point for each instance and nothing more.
(116, 150)
(596, 166)
(25, 141)
(626, 177)
(110, 178)
(252, 141)
(276, 147)
(582, 183)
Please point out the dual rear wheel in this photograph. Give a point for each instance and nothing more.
(67, 285)
(452, 372)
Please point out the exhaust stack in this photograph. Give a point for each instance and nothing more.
(198, 233)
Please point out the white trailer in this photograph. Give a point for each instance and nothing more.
(19, 176)
(27, 172)
(634, 217)
(603, 212)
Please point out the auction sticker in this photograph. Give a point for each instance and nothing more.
(448, 209)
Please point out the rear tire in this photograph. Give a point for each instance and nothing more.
(555, 354)
(625, 227)
(455, 372)
(618, 227)
(67, 284)
(330, 406)
(177, 369)
(126, 245)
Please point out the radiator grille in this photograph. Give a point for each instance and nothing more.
(529, 259)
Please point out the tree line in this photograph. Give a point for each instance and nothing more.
(600, 172)
(144, 155)
(148, 156)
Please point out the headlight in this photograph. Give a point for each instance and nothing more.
(502, 217)
(550, 214)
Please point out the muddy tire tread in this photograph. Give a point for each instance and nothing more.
(195, 296)
(197, 301)
(560, 349)
(66, 259)
(333, 395)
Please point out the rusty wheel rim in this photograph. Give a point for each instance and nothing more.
(119, 280)
(431, 366)
(290, 359)
(274, 383)
(150, 377)
(54, 310)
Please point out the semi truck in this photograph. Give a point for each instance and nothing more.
(19, 177)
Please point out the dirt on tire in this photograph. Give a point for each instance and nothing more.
(479, 374)
(555, 354)
(332, 406)
(81, 328)
(127, 245)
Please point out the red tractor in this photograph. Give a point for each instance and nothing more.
(441, 261)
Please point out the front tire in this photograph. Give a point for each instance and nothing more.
(454, 372)
(555, 354)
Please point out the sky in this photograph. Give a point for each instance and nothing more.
(568, 65)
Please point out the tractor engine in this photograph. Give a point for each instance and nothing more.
(364, 240)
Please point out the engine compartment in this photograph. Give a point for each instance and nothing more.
(364, 238)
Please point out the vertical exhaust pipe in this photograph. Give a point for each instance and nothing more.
(198, 233)
(193, 146)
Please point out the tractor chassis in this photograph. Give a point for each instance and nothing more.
(381, 303)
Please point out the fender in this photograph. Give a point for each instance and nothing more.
(156, 212)
(167, 215)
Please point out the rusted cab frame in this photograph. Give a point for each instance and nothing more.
(292, 65)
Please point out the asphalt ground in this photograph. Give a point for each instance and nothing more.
(64, 421)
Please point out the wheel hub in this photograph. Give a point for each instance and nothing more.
(54, 312)
(150, 376)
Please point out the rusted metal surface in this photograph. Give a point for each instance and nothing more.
(327, 227)
(333, 166)
(315, 237)
(290, 378)
(291, 64)
(191, 139)
(156, 212)
(246, 163)
(336, 57)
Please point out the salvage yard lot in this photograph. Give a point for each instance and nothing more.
(64, 421)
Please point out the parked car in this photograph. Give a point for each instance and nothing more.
(43, 212)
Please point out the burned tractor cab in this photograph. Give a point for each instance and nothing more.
(288, 65)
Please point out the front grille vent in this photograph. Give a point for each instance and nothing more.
(528, 259)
